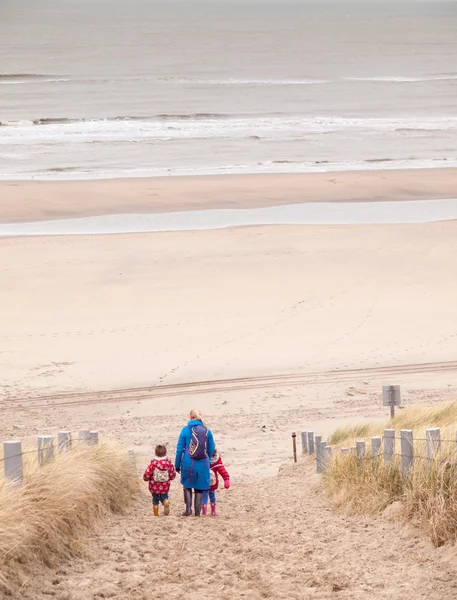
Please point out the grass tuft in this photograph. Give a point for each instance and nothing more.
(428, 494)
(43, 521)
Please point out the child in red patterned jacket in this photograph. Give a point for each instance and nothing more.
(217, 468)
(160, 473)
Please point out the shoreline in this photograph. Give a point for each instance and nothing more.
(30, 201)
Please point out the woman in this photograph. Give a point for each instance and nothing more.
(193, 452)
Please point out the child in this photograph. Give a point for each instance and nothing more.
(159, 474)
(217, 468)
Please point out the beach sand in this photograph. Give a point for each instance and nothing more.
(45, 200)
(267, 330)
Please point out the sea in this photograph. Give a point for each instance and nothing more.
(130, 88)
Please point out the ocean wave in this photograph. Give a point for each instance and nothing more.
(286, 166)
(10, 76)
(402, 79)
(242, 81)
(209, 126)
(27, 78)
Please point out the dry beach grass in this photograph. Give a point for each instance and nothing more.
(42, 521)
(428, 495)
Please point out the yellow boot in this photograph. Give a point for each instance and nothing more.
(156, 510)
(166, 507)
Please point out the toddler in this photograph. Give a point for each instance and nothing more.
(217, 468)
(160, 473)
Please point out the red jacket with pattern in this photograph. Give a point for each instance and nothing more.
(217, 468)
(151, 475)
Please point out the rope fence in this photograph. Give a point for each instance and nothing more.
(385, 447)
(13, 454)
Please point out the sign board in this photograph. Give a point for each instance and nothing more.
(391, 395)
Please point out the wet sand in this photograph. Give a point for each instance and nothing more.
(46, 200)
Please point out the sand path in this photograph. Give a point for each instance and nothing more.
(275, 539)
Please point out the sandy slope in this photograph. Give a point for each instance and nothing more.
(276, 539)
(341, 309)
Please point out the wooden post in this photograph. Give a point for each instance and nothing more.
(375, 447)
(328, 456)
(392, 405)
(304, 442)
(344, 451)
(294, 445)
(84, 437)
(93, 438)
(320, 456)
(12, 462)
(64, 441)
(407, 451)
(317, 445)
(389, 445)
(310, 442)
(433, 437)
(45, 449)
(360, 448)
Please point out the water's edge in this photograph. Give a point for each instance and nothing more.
(344, 213)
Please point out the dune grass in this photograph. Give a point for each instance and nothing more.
(428, 495)
(44, 520)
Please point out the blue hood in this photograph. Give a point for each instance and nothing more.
(194, 422)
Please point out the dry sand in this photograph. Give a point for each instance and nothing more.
(42, 200)
(267, 330)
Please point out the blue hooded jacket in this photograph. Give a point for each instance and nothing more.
(194, 473)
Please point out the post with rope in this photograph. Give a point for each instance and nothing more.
(84, 437)
(407, 451)
(320, 466)
(317, 444)
(389, 445)
(64, 441)
(12, 462)
(375, 448)
(45, 449)
(328, 456)
(93, 440)
(433, 437)
(310, 442)
(294, 445)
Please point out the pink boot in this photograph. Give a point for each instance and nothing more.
(213, 509)
(204, 509)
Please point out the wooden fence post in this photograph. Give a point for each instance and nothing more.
(45, 449)
(375, 447)
(389, 445)
(433, 437)
(360, 448)
(344, 451)
(328, 456)
(84, 437)
(320, 456)
(12, 461)
(304, 442)
(317, 445)
(407, 451)
(64, 441)
(93, 438)
(310, 442)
